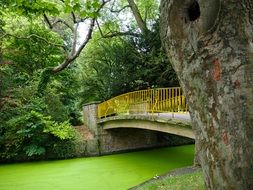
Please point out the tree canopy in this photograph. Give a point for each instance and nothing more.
(57, 55)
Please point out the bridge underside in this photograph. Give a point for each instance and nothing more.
(148, 122)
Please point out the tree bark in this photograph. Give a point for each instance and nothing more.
(210, 44)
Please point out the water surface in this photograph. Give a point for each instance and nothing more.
(113, 172)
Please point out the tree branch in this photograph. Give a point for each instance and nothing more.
(88, 37)
(142, 25)
(115, 33)
(35, 36)
(81, 20)
(47, 21)
(118, 11)
(73, 17)
(52, 25)
(104, 2)
(75, 53)
(63, 22)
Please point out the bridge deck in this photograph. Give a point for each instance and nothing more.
(161, 117)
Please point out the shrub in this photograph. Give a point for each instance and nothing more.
(31, 136)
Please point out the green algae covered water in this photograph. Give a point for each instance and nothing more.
(113, 172)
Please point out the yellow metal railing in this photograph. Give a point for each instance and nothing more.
(144, 101)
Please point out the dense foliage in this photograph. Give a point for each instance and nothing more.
(32, 123)
(43, 83)
(34, 134)
(119, 65)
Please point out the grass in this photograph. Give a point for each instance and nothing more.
(191, 181)
(114, 172)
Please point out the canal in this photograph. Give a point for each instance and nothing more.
(112, 172)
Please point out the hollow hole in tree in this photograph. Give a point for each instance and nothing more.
(193, 11)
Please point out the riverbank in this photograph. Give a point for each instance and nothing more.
(179, 179)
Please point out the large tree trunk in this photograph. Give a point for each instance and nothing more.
(210, 44)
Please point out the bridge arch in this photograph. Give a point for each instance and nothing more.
(155, 123)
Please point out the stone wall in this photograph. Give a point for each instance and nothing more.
(90, 117)
(118, 140)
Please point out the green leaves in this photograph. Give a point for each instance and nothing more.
(63, 131)
(33, 149)
(119, 65)
(55, 7)
(36, 7)
(83, 8)
(34, 132)
(34, 47)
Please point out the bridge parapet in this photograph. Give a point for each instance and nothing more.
(158, 100)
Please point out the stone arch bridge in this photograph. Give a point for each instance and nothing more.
(140, 119)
